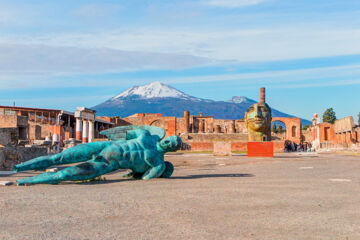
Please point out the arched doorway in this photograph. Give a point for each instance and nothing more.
(159, 123)
(293, 127)
(278, 130)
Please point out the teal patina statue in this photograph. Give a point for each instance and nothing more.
(138, 148)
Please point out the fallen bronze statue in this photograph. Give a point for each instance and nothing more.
(138, 148)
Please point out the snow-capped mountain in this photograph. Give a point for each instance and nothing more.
(157, 97)
(241, 99)
(153, 90)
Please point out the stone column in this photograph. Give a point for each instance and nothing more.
(211, 125)
(186, 121)
(201, 126)
(91, 131)
(78, 133)
(85, 132)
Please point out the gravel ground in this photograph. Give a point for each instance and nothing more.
(290, 197)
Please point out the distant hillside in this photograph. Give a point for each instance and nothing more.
(157, 97)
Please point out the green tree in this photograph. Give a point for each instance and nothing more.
(281, 129)
(329, 116)
(274, 129)
(306, 127)
(359, 119)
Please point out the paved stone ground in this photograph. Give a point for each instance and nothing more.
(289, 197)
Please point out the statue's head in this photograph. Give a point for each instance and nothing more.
(171, 144)
(258, 118)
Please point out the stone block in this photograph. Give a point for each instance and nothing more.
(5, 183)
(222, 149)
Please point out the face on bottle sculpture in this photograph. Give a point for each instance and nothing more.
(258, 118)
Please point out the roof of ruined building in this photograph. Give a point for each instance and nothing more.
(27, 108)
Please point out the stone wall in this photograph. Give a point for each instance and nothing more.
(344, 125)
(11, 121)
(327, 133)
(307, 135)
(167, 123)
(9, 136)
(10, 156)
(46, 129)
(206, 142)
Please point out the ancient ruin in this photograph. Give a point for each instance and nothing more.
(26, 133)
(342, 135)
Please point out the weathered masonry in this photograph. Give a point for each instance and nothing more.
(38, 123)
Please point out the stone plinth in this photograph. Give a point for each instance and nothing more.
(260, 149)
(222, 149)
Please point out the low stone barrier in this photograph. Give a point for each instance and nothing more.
(10, 156)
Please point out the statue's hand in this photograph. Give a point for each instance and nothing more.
(133, 175)
(128, 175)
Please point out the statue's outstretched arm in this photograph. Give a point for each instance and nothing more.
(154, 172)
(79, 153)
(156, 162)
(84, 171)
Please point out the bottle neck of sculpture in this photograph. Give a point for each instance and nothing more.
(258, 136)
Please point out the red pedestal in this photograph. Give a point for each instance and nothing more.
(260, 149)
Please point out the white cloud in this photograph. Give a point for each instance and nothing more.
(286, 78)
(234, 44)
(49, 59)
(313, 77)
(232, 3)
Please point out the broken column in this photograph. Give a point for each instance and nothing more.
(91, 131)
(262, 95)
(78, 133)
(85, 131)
(186, 121)
(201, 125)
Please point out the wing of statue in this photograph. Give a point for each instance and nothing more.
(120, 133)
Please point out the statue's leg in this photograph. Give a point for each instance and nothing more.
(80, 153)
(154, 172)
(84, 171)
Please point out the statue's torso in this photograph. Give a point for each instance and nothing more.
(131, 154)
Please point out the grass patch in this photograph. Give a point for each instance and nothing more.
(210, 152)
(239, 152)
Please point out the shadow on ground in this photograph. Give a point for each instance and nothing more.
(297, 156)
(213, 176)
(178, 177)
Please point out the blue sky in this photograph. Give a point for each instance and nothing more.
(64, 54)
